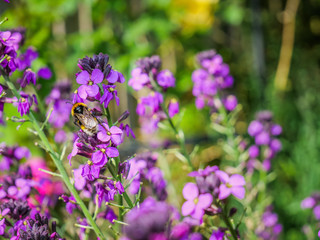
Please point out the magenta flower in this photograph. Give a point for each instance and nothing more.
(45, 73)
(89, 83)
(106, 134)
(253, 151)
(173, 107)
(254, 128)
(79, 181)
(230, 102)
(100, 157)
(110, 93)
(308, 202)
(90, 171)
(2, 226)
(25, 103)
(115, 76)
(166, 79)
(217, 235)
(231, 185)
(21, 189)
(139, 79)
(28, 77)
(196, 203)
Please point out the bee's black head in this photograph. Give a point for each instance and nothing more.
(79, 109)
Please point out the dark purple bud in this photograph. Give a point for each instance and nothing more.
(97, 62)
(232, 211)
(124, 116)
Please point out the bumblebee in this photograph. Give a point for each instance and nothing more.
(84, 119)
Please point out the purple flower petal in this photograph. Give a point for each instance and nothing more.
(83, 77)
(224, 177)
(96, 157)
(116, 139)
(97, 76)
(112, 152)
(92, 90)
(12, 190)
(103, 136)
(237, 180)
(198, 213)
(224, 192)
(205, 200)
(82, 91)
(113, 76)
(115, 130)
(187, 208)
(190, 191)
(238, 192)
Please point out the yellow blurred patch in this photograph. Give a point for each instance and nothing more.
(193, 15)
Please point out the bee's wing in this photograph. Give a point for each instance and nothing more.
(87, 119)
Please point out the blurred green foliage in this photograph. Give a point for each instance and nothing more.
(64, 31)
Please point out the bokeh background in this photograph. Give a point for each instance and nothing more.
(272, 47)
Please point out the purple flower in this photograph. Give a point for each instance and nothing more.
(105, 191)
(253, 151)
(21, 189)
(196, 203)
(99, 61)
(106, 134)
(115, 76)
(173, 107)
(28, 77)
(139, 79)
(126, 130)
(166, 79)
(217, 235)
(109, 93)
(100, 157)
(204, 172)
(254, 128)
(79, 181)
(231, 185)
(60, 136)
(230, 102)
(25, 60)
(89, 83)
(153, 216)
(25, 103)
(308, 202)
(275, 145)
(90, 171)
(10, 39)
(262, 138)
(316, 212)
(44, 73)
(108, 214)
(2, 226)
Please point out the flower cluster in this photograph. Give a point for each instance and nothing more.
(312, 202)
(270, 228)
(93, 72)
(143, 168)
(211, 80)
(212, 185)
(24, 193)
(150, 108)
(264, 131)
(12, 155)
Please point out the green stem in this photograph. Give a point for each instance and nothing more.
(179, 136)
(227, 221)
(58, 163)
(116, 177)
